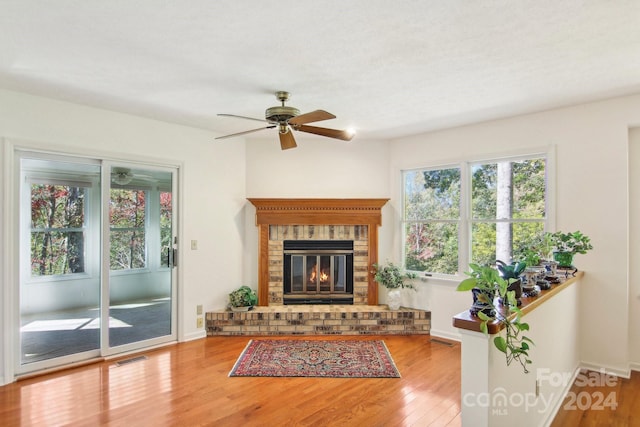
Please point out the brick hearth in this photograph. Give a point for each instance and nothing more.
(319, 320)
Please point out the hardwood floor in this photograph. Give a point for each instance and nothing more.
(594, 402)
(187, 385)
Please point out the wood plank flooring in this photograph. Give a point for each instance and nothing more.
(188, 385)
(593, 402)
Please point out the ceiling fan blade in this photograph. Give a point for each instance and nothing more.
(243, 117)
(313, 116)
(287, 140)
(331, 133)
(245, 132)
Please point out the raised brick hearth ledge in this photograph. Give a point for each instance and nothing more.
(319, 320)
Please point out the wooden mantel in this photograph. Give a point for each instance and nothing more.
(319, 211)
(315, 212)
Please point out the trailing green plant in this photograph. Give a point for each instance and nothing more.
(390, 276)
(244, 296)
(514, 344)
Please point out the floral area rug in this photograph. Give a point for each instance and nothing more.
(306, 358)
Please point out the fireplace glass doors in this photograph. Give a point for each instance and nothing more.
(318, 272)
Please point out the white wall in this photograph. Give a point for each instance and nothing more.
(590, 142)
(317, 168)
(212, 186)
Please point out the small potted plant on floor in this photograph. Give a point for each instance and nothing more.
(393, 279)
(485, 283)
(242, 299)
(566, 245)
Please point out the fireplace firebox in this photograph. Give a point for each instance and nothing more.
(318, 272)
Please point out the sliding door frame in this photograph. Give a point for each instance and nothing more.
(106, 348)
(10, 238)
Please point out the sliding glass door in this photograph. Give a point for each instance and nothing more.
(139, 251)
(60, 260)
(97, 270)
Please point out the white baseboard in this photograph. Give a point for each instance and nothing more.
(194, 336)
(634, 366)
(610, 370)
(445, 334)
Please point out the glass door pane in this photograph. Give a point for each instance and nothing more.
(140, 257)
(59, 290)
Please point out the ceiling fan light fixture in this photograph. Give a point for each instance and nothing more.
(122, 178)
(287, 119)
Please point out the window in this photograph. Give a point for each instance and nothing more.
(127, 215)
(472, 212)
(165, 228)
(57, 229)
(432, 220)
(507, 208)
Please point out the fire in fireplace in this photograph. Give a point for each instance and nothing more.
(318, 272)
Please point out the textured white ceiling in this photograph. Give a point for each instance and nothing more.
(387, 68)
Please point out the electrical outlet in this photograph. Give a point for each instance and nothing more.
(199, 309)
(200, 322)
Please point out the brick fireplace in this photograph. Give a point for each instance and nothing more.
(324, 221)
(280, 220)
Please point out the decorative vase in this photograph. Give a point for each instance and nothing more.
(394, 298)
(564, 259)
(241, 309)
(516, 287)
(480, 298)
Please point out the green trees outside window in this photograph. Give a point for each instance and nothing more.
(165, 227)
(432, 220)
(57, 229)
(127, 214)
(472, 212)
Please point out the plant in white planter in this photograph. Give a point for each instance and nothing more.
(390, 276)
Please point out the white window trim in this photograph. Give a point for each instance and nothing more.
(464, 231)
(52, 178)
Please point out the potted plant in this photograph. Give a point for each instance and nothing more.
(537, 250)
(487, 280)
(482, 283)
(511, 273)
(242, 299)
(393, 279)
(566, 245)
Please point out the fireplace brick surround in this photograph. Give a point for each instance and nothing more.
(358, 233)
(328, 219)
(318, 219)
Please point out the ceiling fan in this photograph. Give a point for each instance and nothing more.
(124, 176)
(287, 118)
